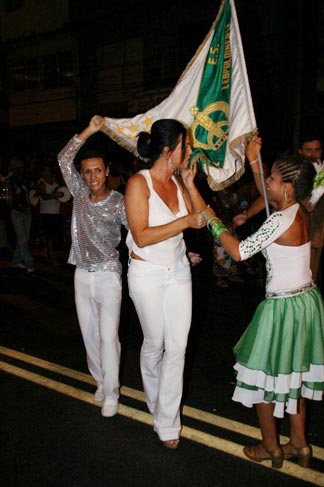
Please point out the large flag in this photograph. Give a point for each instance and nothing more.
(212, 98)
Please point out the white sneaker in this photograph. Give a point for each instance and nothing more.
(109, 409)
(99, 395)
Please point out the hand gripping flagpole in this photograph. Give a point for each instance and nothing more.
(248, 94)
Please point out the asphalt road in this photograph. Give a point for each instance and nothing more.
(52, 433)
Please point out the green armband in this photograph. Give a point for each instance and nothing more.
(216, 226)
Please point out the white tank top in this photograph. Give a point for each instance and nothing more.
(288, 267)
(170, 251)
(52, 206)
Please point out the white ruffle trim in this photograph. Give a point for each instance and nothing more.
(283, 382)
(249, 398)
(280, 385)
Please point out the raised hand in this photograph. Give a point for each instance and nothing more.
(253, 148)
(96, 123)
(188, 175)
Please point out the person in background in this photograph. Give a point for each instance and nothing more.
(310, 150)
(159, 207)
(280, 357)
(4, 209)
(98, 214)
(229, 202)
(47, 189)
(116, 178)
(19, 184)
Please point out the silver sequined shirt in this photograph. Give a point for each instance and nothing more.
(95, 227)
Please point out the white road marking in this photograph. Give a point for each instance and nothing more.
(206, 439)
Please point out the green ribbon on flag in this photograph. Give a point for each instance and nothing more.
(210, 127)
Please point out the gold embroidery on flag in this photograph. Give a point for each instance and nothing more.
(216, 135)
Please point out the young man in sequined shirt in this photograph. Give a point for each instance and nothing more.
(98, 213)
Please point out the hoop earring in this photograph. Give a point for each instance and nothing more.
(286, 197)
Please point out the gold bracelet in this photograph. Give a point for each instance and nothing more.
(214, 221)
(253, 162)
(205, 213)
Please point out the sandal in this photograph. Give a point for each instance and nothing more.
(258, 453)
(303, 454)
(171, 444)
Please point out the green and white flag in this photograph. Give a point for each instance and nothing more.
(212, 97)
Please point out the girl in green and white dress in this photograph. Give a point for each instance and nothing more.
(280, 357)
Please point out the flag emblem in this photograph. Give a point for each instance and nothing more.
(210, 128)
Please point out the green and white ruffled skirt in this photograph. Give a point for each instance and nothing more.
(280, 356)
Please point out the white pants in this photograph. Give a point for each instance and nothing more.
(98, 301)
(163, 300)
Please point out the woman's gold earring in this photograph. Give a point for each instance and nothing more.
(286, 197)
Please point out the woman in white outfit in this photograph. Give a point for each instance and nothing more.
(159, 206)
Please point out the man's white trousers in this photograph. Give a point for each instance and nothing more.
(98, 300)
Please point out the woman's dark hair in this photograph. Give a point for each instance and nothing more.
(164, 133)
(300, 174)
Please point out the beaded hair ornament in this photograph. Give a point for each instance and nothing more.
(318, 188)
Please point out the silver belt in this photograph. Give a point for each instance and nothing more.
(290, 292)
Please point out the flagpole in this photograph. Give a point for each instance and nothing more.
(263, 186)
(242, 65)
(248, 96)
